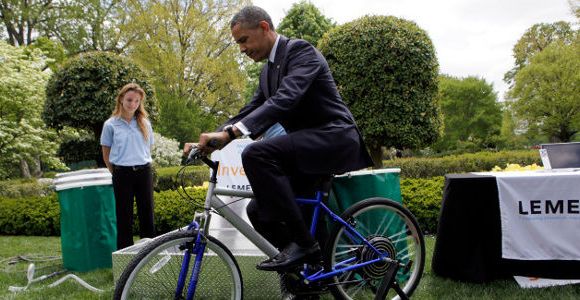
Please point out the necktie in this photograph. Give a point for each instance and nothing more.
(271, 71)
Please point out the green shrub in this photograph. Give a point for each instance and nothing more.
(166, 178)
(41, 215)
(172, 211)
(19, 188)
(472, 162)
(386, 71)
(77, 150)
(30, 216)
(423, 196)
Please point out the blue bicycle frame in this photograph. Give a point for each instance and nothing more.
(351, 233)
(198, 248)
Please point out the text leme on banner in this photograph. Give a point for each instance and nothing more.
(540, 215)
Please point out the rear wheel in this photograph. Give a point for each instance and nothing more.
(390, 228)
(154, 272)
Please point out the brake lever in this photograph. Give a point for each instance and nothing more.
(195, 152)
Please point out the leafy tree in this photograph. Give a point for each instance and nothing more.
(182, 119)
(536, 39)
(90, 25)
(24, 139)
(22, 19)
(305, 21)
(187, 47)
(547, 91)
(79, 25)
(575, 7)
(471, 113)
(82, 93)
(386, 71)
(511, 135)
(53, 51)
(253, 71)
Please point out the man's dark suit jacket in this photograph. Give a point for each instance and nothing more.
(307, 104)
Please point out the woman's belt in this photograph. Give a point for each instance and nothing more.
(134, 168)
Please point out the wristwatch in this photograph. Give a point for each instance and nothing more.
(230, 130)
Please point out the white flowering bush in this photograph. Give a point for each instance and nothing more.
(165, 151)
(25, 142)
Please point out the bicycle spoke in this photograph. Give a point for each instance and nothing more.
(351, 248)
(219, 276)
(399, 234)
(388, 228)
(357, 288)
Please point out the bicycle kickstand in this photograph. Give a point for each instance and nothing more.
(389, 282)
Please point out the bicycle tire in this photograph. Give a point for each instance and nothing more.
(154, 272)
(388, 226)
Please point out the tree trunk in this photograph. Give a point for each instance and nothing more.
(24, 170)
(377, 156)
(36, 170)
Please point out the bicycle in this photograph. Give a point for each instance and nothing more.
(375, 249)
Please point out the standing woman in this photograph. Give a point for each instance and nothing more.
(126, 142)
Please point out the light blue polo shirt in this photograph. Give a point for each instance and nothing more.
(128, 147)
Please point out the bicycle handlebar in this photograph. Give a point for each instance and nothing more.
(195, 154)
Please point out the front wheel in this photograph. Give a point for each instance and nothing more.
(154, 272)
(388, 227)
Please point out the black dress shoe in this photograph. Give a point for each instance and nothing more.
(291, 256)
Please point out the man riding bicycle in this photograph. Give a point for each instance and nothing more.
(297, 90)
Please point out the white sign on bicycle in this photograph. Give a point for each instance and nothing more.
(231, 175)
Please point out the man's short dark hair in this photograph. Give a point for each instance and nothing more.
(250, 17)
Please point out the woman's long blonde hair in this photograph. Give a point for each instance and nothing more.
(140, 114)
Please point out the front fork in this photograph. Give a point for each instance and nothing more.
(196, 248)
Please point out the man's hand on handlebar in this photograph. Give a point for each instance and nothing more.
(209, 142)
(188, 147)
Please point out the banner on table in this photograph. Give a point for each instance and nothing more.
(540, 215)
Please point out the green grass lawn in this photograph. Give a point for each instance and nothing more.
(431, 287)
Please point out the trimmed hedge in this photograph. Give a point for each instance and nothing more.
(41, 215)
(37, 215)
(30, 216)
(172, 211)
(19, 188)
(472, 162)
(423, 197)
(166, 178)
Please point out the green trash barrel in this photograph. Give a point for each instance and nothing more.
(88, 223)
(352, 187)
